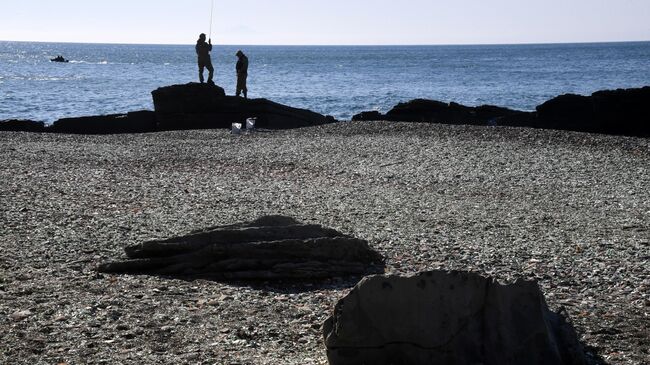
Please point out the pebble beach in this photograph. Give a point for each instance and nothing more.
(570, 210)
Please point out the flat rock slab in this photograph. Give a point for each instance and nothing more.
(272, 247)
(448, 318)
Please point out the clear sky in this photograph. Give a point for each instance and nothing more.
(338, 22)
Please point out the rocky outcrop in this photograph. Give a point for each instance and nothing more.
(448, 318)
(272, 247)
(179, 107)
(421, 110)
(133, 122)
(20, 125)
(620, 112)
(194, 106)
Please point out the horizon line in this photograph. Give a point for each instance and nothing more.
(342, 45)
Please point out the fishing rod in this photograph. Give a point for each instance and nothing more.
(211, 12)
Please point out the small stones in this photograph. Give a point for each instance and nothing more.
(20, 315)
(540, 193)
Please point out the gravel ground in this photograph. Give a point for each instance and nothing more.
(571, 210)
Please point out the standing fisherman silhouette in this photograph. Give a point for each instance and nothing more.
(242, 73)
(203, 52)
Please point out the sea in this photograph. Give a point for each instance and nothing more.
(335, 80)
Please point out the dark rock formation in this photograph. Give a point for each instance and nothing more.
(16, 125)
(448, 318)
(193, 106)
(59, 59)
(368, 116)
(621, 112)
(421, 110)
(133, 122)
(271, 247)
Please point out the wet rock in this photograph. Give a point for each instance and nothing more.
(448, 318)
(197, 106)
(18, 125)
(271, 247)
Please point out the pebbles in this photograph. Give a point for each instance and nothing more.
(571, 210)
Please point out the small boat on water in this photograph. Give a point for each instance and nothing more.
(59, 59)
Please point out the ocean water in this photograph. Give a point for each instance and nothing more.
(339, 81)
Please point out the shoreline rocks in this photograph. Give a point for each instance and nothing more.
(133, 122)
(617, 112)
(21, 125)
(202, 106)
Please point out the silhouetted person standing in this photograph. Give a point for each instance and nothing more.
(203, 52)
(242, 74)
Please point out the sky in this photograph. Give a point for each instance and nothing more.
(326, 22)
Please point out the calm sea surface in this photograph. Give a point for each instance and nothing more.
(339, 81)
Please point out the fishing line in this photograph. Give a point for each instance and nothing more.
(211, 12)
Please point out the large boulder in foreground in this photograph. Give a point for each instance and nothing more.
(195, 106)
(272, 247)
(133, 122)
(455, 318)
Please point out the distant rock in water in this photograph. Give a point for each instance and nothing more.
(272, 247)
(59, 59)
(194, 105)
(455, 318)
(620, 112)
(133, 122)
(19, 125)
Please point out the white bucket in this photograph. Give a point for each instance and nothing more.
(250, 123)
(236, 128)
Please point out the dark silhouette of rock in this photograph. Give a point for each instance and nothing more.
(272, 247)
(621, 112)
(368, 116)
(18, 125)
(59, 59)
(132, 122)
(196, 106)
(432, 111)
(454, 318)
